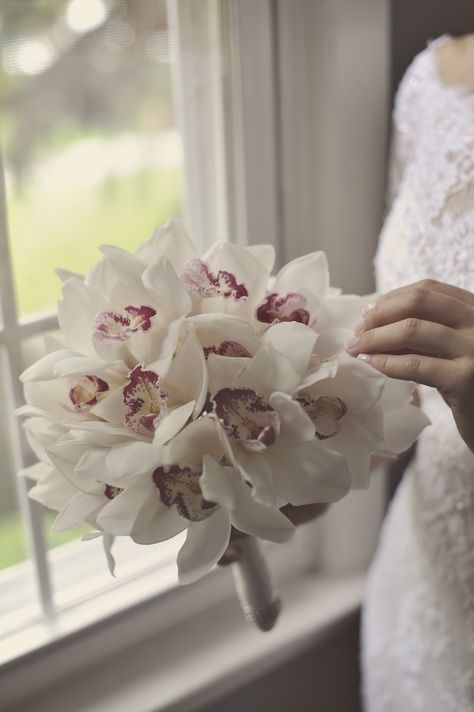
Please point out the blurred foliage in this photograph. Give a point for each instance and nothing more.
(121, 211)
(12, 536)
(108, 79)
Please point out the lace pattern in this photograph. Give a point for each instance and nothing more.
(418, 624)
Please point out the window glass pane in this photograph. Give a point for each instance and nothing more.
(12, 536)
(17, 594)
(91, 149)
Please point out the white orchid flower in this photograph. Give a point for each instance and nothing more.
(59, 487)
(119, 305)
(266, 432)
(341, 311)
(402, 421)
(225, 335)
(182, 486)
(358, 411)
(227, 279)
(342, 405)
(149, 403)
(297, 292)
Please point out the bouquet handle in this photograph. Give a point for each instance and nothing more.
(258, 599)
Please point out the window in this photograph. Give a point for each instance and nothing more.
(92, 155)
(202, 107)
(99, 97)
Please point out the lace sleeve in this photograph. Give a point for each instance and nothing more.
(403, 131)
(399, 153)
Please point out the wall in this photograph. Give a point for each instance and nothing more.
(415, 22)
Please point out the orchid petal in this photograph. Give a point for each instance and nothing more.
(171, 241)
(110, 408)
(295, 341)
(173, 423)
(119, 515)
(319, 372)
(212, 330)
(77, 311)
(265, 254)
(308, 275)
(352, 443)
(257, 469)
(128, 267)
(67, 470)
(192, 382)
(308, 472)
(43, 369)
(132, 459)
(343, 311)
(205, 543)
(77, 510)
(79, 365)
(92, 465)
(107, 543)
(215, 485)
(65, 274)
(332, 343)
(396, 393)
(255, 519)
(51, 489)
(402, 426)
(270, 371)
(189, 446)
(223, 371)
(155, 522)
(166, 288)
(295, 423)
(358, 385)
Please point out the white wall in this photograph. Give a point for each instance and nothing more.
(334, 95)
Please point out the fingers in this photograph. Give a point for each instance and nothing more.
(430, 286)
(429, 371)
(411, 334)
(421, 303)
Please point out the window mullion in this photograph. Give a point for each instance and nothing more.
(198, 77)
(29, 326)
(13, 362)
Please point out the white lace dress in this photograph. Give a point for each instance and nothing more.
(418, 620)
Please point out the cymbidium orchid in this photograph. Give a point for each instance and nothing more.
(357, 411)
(184, 485)
(149, 403)
(266, 432)
(297, 291)
(197, 392)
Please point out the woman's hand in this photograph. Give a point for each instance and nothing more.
(424, 333)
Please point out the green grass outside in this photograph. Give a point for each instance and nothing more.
(64, 228)
(13, 547)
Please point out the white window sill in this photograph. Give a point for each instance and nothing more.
(185, 665)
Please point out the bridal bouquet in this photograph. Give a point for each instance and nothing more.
(203, 393)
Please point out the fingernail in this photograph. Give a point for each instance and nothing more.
(359, 327)
(368, 308)
(353, 341)
(364, 357)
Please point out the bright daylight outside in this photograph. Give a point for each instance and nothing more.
(91, 156)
